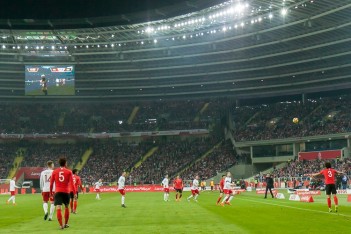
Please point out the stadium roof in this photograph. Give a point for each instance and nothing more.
(237, 48)
(58, 14)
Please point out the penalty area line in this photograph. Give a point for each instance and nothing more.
(293, 207)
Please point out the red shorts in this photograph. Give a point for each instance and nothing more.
(97, 190)
(194, 191)
(13, 193)
(228, 191)
(46, 197)
(122, 192)
(166, 190)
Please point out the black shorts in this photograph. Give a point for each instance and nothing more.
(179, 190)
(330, 189)
(61, 198)
(71, 195)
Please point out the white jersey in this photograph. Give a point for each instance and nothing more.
(165, 183)
(227, 183)
(121, 182)
(13, 186)
(98, 185)
(195, 185)
(45, 177)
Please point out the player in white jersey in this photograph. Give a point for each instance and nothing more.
(165, 184)
(13, 187)
(97, 186)
(121, 185)
(194, 189)
(227, 189)
(45, 178)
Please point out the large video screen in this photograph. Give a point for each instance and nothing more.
(49, 80)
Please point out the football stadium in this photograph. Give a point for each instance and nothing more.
(197, 116)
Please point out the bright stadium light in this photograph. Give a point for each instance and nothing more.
(3, 46)
(42, 47)
(26, 47)
(284, 11)
(149, 29)
(53, 47)
(270, 15)
(112, 45)
(37, 47)
(155, 41)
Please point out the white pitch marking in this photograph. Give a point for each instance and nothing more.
(297, 208)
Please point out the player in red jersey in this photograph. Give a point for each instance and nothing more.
(62, 177)
(329, 180)
(78, 184)
(221, 191)
(178, 186)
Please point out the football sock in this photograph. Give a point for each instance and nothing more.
(180, 196)
(66, 215)
(75, 203)
(329, 202)
(59, 216)
(177, 196)
(123, 200)
(219, 199)
(97, 196)
(45, 207)
(71, 204)
(13, 200)
(231, 198)
(52, 210)
(165, 197)
(336, 201)
(196, 196)
(225, 199)
(190, 197)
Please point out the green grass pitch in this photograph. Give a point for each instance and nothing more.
(148, 213)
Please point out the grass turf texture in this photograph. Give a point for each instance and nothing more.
(148, 213)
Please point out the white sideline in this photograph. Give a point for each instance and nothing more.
(293, 207)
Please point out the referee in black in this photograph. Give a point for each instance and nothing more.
(269, 186)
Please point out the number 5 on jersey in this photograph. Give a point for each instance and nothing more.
(61, 176)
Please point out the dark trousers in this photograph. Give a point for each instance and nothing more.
(270, 190)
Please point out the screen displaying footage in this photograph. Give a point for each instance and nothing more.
(49, 80)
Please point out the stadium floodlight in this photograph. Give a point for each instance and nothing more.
(3, 46)
(37, 47)
(53, 47)
(155, 41)
(284, 11)
(18, 47)
(75, 47)
(149, 29)
(65, 47)
(112, 45)
(239, 8)
(98, 46)
(87, 46)
(270, 15)
(106, 46)
(142, 43)
(26, 47)
(42, 47)
(242, 24)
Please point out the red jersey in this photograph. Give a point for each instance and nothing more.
(76, 183)
(178, 183)
(221, 184)
(329, 175)
(63, 178)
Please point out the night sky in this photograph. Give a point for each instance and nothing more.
(63, 9)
